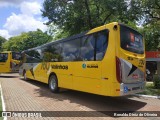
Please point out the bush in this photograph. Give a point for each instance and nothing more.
(156, 82)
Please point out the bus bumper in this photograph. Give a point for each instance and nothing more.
(131, 88)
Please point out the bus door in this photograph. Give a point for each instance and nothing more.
(4, 62)
(15, 61)
(87, 72)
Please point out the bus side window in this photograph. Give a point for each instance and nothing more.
(32, 56)
(56, 52)
(71, 50)
(88, 48)
(3, 57)
(101, 44)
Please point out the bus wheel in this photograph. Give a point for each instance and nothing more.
(53, 84)
(24, 75)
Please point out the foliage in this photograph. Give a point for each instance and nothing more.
(150, 90)
(2, 40)
(27, 40)
(156, 82)
(68, 17)
(147, 12)
(149, 17)
(55, 32)
(152, 36)
(151, 10)
(75, 16)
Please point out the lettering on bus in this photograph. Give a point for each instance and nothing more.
(141, 63)
(64, 67)
(92, 66)
(89, 65)
(130, 58)
(45, 65)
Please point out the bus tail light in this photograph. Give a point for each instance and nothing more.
(118, 70)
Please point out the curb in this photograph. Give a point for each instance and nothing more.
(149, 96)
(3, 104)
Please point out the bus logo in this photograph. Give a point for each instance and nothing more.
(125, 89)
(84, 65)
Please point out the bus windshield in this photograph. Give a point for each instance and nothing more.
(3, 57)
(16, 56)
(131, 40)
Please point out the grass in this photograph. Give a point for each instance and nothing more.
(150, 90)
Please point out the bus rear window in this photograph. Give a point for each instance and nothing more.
(3, 57)
(131, 40)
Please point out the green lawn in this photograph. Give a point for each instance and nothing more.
(150, 90)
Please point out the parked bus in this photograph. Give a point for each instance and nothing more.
(108, 60)
(9, 61)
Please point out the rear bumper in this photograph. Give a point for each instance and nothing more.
(131, 88)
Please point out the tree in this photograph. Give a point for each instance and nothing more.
(2, 40)
(151, 10)
(147, 11)
(27, 40)
(147, 14)
(152, 36)
(75, 16)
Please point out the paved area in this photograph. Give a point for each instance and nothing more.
(20, 95)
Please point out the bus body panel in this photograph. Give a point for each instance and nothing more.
(64, 73)
(108, 65)
(87, 76)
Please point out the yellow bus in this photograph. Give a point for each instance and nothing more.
(9, 61)
(108, 60)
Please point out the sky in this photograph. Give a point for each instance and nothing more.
(17, 16)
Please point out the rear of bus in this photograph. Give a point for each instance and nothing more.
(9, 61)
(130, 61)
(5, 65)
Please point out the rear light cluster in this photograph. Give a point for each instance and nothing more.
(118, 70)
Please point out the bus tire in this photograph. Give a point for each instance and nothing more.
(24, 75)
(53, 84)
